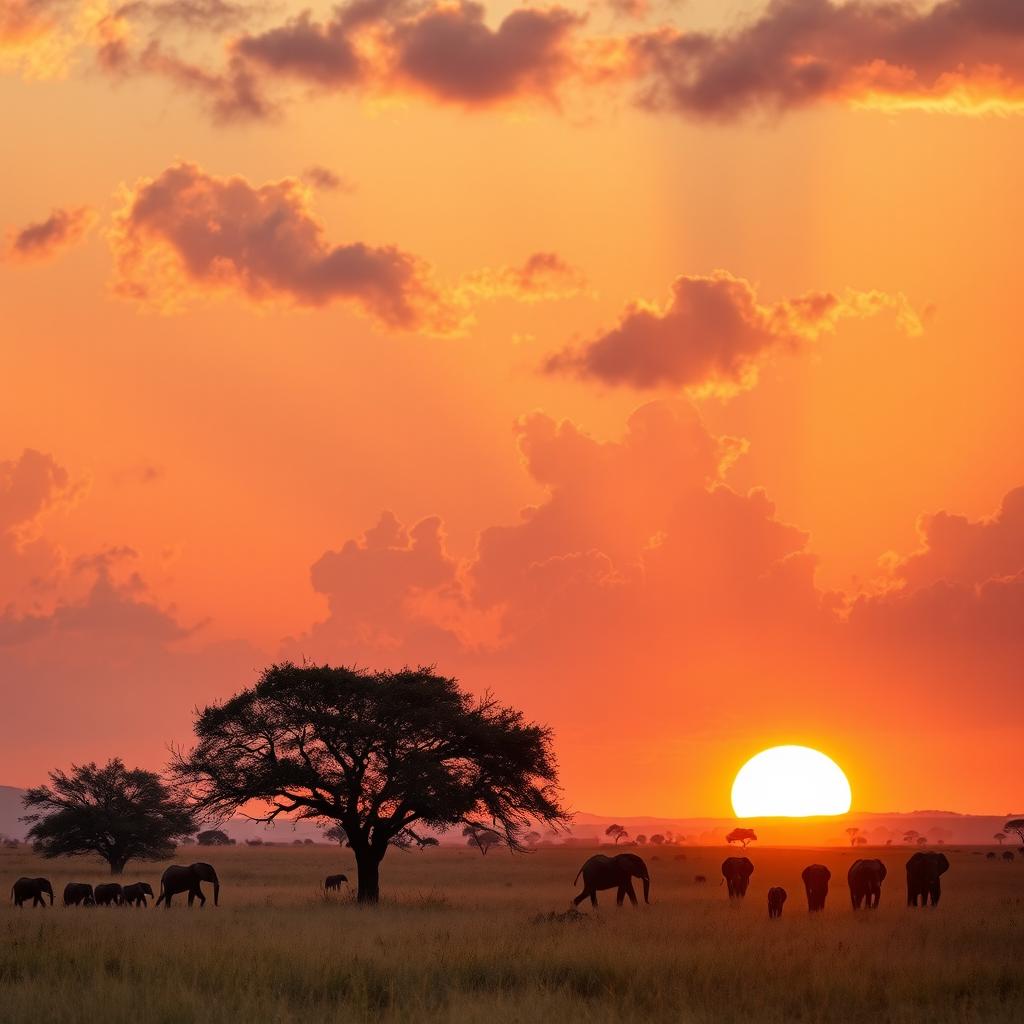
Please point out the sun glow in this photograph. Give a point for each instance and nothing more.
(790, 782)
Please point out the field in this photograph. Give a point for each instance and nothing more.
(465, 938)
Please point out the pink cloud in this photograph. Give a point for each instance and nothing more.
(45, 239)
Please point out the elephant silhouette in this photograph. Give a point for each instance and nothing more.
(110, 893)
(601, 872)
(78, 894)
(186, 878)
(135, 894)
(776, 898)
(736, 872)
(31, 889)
(334, 882)
(816, 878)
(924, 871)
(865, 879)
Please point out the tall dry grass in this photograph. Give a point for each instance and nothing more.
(458, 939)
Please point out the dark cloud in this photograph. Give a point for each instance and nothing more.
(47, 238)
(965, 55)
(712, 334)
(327, 180)
(188, 232)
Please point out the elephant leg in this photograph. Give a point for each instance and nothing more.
(630, 892)
(620, 895)
(582, 896)
(200, 897)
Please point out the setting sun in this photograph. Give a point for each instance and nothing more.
(790, 782)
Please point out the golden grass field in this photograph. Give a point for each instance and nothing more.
(457, 939)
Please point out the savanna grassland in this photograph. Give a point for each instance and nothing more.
(461, 937)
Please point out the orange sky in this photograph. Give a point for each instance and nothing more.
(728, 298)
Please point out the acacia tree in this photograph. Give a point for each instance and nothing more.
(1000, 838)
(852, 833)
(120, 814)
(379, 753)
(616, 832)
(1017, 827)
(744, 836)
(482, 838)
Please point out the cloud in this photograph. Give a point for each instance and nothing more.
(327, 180)
(957, 56)
(188, 233)
(544, 276)
(46, 239)
(713, 333)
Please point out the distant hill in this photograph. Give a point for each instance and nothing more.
(588, 829)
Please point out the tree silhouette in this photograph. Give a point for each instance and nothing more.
(852, 833)
(1017, 827)
(911, 836)
(1000, 838)
(616, 832)
(860, 840)
(922, 840)
(641, 839)
(481, 838)
(215, 837)
(117, 813)
(657, 839)
(378, 753)
(744, 836)
(336, 834)
(532, 838)
(426, 841)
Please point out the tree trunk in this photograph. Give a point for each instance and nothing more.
(117, 867)
(367, 876)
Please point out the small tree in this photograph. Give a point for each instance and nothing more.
(910, 837)
(641, 839)
(377, 753)
(336, 834)
(744, 836)
(616, 832)
(860, 840)
(922, 840)
(215, 837)
(533, 838)
(852, 833)
(1000, 838)
(481, 838)
(1017, 827)
(426, 841)
(117, 813)
(657, 839)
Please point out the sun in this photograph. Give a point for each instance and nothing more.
(790, 782)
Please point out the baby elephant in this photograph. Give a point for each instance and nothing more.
(776, 897)
(135, 894)
(110, 893)
(334, 882)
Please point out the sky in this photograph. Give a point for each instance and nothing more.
(655, 366)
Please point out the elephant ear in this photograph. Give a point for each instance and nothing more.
(943, 864)
(748, 866)
(881, 871)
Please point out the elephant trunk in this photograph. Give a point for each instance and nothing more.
(647, 889)
(216, 893)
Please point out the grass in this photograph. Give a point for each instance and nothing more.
(467, 938)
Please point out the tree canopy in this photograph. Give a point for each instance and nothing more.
(120, 814)
(378, 753)
(744, 836)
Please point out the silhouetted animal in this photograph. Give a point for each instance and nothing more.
(737, 871)
(776, 897)
(1008, 855)
(334, 881)
(78, 894)
(136, 893)
(990, 855)
(816, 877)
(186, 878)
(700, 879)
(865, 879)
(109, 893)
(31, 889)
(601, 872)
(923, 873)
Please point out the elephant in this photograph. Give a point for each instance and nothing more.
(737, 871)
(601, 872)
(136, 893)
(181, 878)
(816, 878)
(990, 855)
(700, 879)
(109, 893)
(78, 894)
(334, 881)
(31, 889)
(776, 897)
(1008, 855)
(923, 878)
(865, 879)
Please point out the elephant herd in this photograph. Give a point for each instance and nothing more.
(178, 878)
(865, 877)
